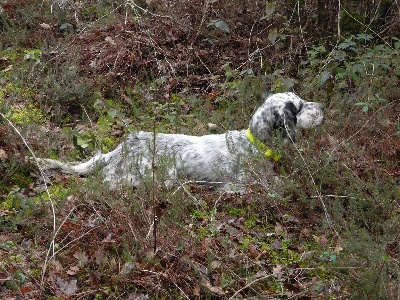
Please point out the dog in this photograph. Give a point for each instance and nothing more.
(213, 158)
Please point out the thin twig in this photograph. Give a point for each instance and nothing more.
(48, 256)
(369, 28)
(182, 186)
(301, 28)
(166, 276)
(153, 193)
(249, 284)
(363, 126)
(203, 17)
(135, 6)
(317, 191)
(333, 196)
(338, 19)
(52, 243)
(72, 241)
(87, 116)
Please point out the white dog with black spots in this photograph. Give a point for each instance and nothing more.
(214, 158)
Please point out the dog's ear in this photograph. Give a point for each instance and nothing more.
(287, 120)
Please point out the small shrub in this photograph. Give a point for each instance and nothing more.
(354, 62)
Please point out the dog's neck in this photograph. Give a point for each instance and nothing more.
(270, 153)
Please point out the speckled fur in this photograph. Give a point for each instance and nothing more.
(209, 158)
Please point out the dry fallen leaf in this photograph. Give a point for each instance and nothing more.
(81, 257)
(277, 244)
(25, 289)
(196, 290)
(212, 127)
(3, 154)
(254, 252)
(8, 68)
(56, 266)
(127, 268)
(214, 289)
(279, 229)
(73, 270)
(305, 232)
(215, 264)
(110, 40)
(260, 274)
(316, 238)
(322, 240)
(45, 26)
(99, 256)
(277, 271)
(67, 287)
(337, 249)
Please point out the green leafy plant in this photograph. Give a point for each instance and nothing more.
(98, 137)
(373, 102)
(348, 67)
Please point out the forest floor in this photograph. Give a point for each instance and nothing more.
(76, 80)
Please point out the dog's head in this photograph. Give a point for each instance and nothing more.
(284, 112)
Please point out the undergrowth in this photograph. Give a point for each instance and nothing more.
(76, 78)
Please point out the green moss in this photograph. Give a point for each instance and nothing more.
(34, 54)
(282, 255)
(18, 114)
(15, 200)
(107, 144)
(236, 212)
(199, 214)
(57, 192)
(26, 115)
(11, 55)
(244, 244)
(21, 180)
(202, 231)
(251, 222)
(7, 204)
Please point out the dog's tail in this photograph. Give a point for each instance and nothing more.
(70, 167)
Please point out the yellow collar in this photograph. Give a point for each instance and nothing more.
(268, 151)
